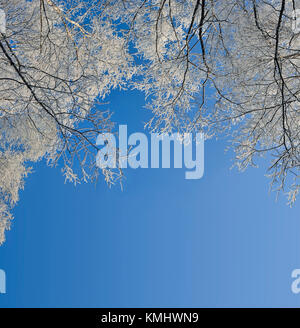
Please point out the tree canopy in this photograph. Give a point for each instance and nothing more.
(220, 67)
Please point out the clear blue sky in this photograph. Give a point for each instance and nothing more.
(164, 241)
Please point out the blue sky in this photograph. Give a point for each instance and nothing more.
(163, 241)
